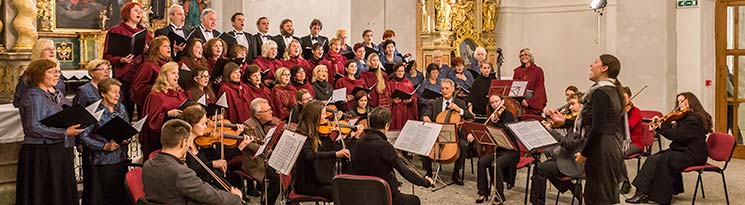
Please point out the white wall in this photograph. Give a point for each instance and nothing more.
(379, 15)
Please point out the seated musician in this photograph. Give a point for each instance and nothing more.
(258, 125)
(660, 178)
(375, 156)
(167, 181)
(314, 168)
(301, 98)
(196, 116)
(506, 159)
(636, 146)
(448, 102)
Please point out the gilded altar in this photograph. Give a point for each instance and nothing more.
(456, 27)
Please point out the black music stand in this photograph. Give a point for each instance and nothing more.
(448, 134)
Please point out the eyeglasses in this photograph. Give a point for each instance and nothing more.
(203, 76)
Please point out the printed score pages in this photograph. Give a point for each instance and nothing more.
(532, 134)
(286, 152)
(418, 137)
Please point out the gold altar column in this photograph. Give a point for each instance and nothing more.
(25, 24)
(2, 47)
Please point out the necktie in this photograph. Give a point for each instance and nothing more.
(237, 34)
(178, 29)
(447, 104)
(314, 38)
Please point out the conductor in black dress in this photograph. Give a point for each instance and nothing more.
(447, 101)
(375, 156)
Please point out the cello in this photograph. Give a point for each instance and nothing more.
(446, 153)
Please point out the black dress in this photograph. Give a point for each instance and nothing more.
(314, 170)
(479, 94)
(688, 148)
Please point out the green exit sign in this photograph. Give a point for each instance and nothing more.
(687, 3)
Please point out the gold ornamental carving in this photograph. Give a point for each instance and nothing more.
(443, 15)
(46, 14)
(24, 23)
(490, 11)
(1, 26)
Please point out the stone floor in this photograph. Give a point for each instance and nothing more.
(467, 194)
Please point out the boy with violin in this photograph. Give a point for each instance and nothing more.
(380, 158)
(444, 107)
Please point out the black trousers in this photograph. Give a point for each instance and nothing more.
(546, 170)
(127, 102)
(463, 147)
(505, 162)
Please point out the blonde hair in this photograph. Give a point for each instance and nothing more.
(380, 87)
(316, 70)
(161, 83)
(530, 54)
(39, 48)
(92, 65)
(287, 56)
(340, 33)
(266, 46)
(278, 74)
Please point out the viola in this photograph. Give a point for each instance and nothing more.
(670, 117)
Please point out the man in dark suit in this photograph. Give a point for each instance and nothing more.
(447, 101)
(166, 180)
(287, 32)
(239, 37)
(262, 25)
(258, 125)
(306, 42)
(206, 30)
(176, 32)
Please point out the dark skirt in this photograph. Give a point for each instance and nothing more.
(104, 184)
(46, 175)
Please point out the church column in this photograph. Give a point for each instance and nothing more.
(2, 47)
(24, 23)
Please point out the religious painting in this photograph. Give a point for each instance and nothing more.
(87, 14)
(466, 49)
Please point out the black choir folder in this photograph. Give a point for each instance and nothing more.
(76, 114)
(402, 95)
(123, 45)
(118, 129)
(431, 94)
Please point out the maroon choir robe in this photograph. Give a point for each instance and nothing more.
(371, 80)
(306, 86)
(401, 112)
(193, 63)
(192, 95)
(259, 92)
(307, 67)
(316, 62)
(350, 85)
(268, 66)
(336, 65)
(143, 82)
(284, 99)
(534, 75)
(238, 101)
(157, 105)
(125, 71)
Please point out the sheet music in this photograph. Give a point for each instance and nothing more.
(500, 138)
(532, 134)
(518, 88)
(266, 141)
(339, 95)
(286, 152)
(418, 137)
(93, 107)
(138, 125)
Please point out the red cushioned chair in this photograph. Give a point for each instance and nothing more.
(647, 142)
(650, 114)
(294, 198)
(133, 182)
(578, 185)
(361, 190)
(526, 159)
(720, 146)
(152, 154)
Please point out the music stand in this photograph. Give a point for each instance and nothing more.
(487, 139)
(508, 88)
(448, 134)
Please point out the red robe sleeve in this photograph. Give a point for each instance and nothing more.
(143, 82)
(535, 77)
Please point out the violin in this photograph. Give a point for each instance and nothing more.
(230, 136)
(670, 117)
(571, 116)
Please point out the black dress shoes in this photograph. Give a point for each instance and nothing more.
(482, 199)
(457, 180)
(638, 198)
(625, 187)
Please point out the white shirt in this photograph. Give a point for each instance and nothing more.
(445, 104)
(264, 37)
(240, 38)
(313, 39)
(288, 39)
(207, 34)
(178, 30)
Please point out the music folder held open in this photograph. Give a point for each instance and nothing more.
(70, 116)
(123, 45)
(118, 129)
